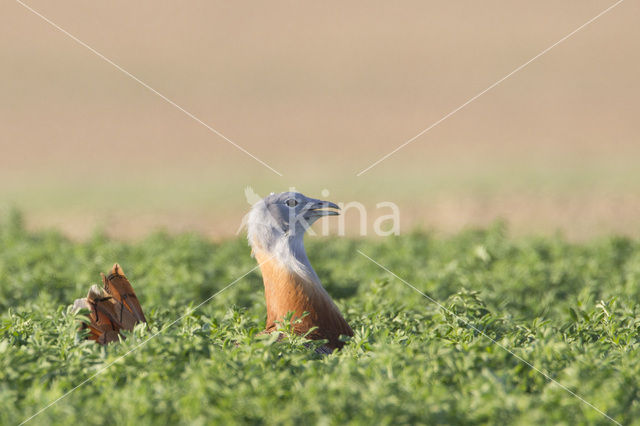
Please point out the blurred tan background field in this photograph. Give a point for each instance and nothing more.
(319, 91)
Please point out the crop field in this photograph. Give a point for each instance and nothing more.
(505, 133)
(568, 309)
(319, 93)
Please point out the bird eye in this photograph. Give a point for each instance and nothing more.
(291, 202)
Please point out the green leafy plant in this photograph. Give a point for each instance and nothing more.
(571, 310)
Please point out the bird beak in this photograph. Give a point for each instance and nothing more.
(319, 208)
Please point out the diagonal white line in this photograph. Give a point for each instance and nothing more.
(88, 379)
(518, 357)
(142, 83)
(489, 88)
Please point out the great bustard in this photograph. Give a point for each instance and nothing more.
(276, 227)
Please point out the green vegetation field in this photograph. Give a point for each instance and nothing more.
(569, 309)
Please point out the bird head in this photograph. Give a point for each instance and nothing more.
(285, 215)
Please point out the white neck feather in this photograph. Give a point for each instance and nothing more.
(286, 249)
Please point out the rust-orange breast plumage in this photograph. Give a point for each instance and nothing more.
(287, 292)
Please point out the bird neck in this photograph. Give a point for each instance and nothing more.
(289, 253)
(291, 285)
